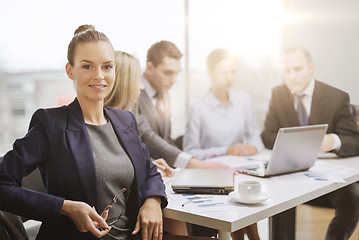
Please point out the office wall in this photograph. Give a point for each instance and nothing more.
(252, 31)
(330, 30)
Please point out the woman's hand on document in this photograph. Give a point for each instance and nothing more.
(196, 163)
(240, 149)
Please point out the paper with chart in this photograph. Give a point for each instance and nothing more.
(205, 203)
(239, 161)
(321, 171)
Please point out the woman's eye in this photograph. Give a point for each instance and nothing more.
(86, 67)
(107, 67)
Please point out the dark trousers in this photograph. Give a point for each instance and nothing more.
(346, 204)
(200, 231)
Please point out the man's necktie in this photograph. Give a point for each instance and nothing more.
(161, 110)
(302, 114)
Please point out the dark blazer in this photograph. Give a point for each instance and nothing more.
(329, 105)
(58, 144)
(159, 144)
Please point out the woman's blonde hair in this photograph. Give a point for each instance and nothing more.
(124, 93)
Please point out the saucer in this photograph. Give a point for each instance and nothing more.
(263, 197)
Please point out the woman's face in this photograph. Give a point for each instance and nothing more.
(93, 71)
(223, 74)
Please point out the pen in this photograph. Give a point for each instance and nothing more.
(195, 197)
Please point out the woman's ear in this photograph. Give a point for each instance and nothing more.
(69, 71)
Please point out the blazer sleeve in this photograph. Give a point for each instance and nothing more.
(158, 147)
(154, 186)
(346, 129)
(271, 123)
(27, 154)
(153, 183)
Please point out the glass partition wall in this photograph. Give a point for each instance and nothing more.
(33, 50)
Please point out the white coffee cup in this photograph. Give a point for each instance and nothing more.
(249, 189)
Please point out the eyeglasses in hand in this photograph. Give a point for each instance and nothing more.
(108, 207)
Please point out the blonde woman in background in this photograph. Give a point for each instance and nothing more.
(126, 89)
(124, 95)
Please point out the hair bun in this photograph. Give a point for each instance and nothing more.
(83, 28)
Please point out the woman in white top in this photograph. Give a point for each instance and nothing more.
(222, 122)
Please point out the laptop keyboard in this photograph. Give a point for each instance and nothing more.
(257, 166)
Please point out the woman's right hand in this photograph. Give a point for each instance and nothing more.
(161, 164)
(240, 149)
(85, 218)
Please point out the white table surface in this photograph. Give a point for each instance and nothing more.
(283, 196)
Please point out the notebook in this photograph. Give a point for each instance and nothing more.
(203, 181)
(295, 149)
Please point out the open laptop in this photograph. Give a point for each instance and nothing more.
(295, 149)
(203, 181)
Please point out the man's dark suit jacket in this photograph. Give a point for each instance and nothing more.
(329, 105)
(58, 144)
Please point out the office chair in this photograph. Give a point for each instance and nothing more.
(33, 182)
(11, 227)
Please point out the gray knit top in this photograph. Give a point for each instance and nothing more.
(114, 171)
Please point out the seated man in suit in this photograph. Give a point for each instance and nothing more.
(154, 126)
(302, 100)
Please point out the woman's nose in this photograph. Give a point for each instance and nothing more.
(99, 75)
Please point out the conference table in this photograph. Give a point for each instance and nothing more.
(285, 195)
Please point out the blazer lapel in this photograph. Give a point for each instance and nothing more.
(150, 110)
(316, 108)
(79, 144)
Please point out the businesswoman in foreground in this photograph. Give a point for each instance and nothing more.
(90, 156)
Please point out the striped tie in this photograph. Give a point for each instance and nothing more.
(161, 111)
(302, 114)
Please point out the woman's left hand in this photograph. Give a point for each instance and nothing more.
(149, 219)
(248, 150)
